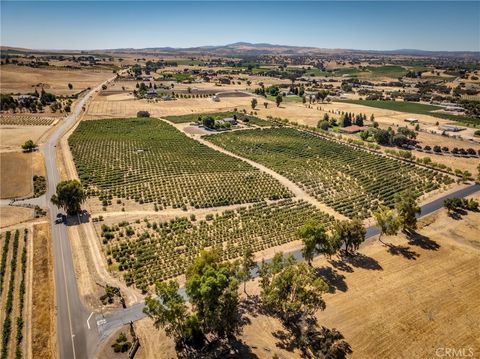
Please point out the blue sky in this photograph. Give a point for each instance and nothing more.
(376, 25)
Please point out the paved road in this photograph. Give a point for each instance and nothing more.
(75, 339)
(109, 323)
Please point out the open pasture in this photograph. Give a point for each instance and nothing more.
(351, 181)
(149, 251)
(150, 161)
(102, 108)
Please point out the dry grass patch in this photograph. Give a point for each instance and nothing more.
(10, 215)
(24, 79)
(12, 137)
(15, 174)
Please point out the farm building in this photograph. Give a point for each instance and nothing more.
(230, 120)
(411, 120)
(353, 129)
(152, 93)
(450, 128)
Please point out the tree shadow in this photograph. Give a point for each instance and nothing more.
(334, 279)
(360, 260)
(229, 348)
(340, 265)
(252, 306)
(309, 338)
(457, 214)
(82, 217)
(404, 251)
(419, 240)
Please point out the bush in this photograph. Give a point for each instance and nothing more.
(143, 114)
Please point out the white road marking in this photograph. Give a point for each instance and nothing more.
(101, 321)
(88, 324)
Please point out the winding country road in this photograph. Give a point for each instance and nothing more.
(79, 331)
(76, 338)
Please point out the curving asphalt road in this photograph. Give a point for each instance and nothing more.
(76, 338)
(110, 323)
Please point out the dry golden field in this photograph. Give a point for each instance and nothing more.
(17, 171)
(24, 79)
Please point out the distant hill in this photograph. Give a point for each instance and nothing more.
(246, 48)
(249, 49)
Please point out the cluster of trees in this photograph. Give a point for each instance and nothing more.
(32, 102)
(455, 150)
(402, 217)
(290, 290)
(456, 205)
(316, 241)
(403, 136)
(349, 119)
(214, 123)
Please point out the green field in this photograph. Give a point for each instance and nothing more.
(241, 116)
(352, 181)
(147, 252)
(150, 161)
(414, 107)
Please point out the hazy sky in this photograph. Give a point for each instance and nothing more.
(377, 25)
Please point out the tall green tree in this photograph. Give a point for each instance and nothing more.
(291, 289)
(254, 103)
(213, 291)
(278, 100)
(387, 221)
(247, 265)
(407, 209)
(315, 241)
(351, 234)
(70, 195)
(169, 312)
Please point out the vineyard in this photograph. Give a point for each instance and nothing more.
(352, 181)
(13, 267)
(153, 251)
(149, 161)
(25, 120)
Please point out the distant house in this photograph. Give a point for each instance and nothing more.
(450, 128)
(411, 120)
(230, 120)
(151, 93)
(353, 129)
(454, 109)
